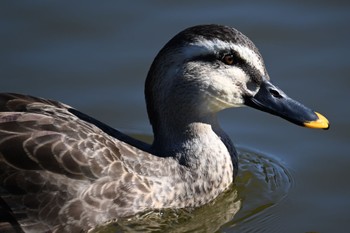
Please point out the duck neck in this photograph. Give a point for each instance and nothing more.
(184, 126)
(171, 134)
(193, 140)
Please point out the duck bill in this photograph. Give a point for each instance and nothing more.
(271, 99)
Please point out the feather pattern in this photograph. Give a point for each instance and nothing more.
(61, 173)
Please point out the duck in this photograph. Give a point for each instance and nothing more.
(64, 171)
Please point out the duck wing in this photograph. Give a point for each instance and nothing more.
(39, 134)
(54, 162)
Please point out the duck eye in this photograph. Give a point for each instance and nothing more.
(228, 59)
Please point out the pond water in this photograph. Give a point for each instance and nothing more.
(95, 57)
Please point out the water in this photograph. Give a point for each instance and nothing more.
(95, 57)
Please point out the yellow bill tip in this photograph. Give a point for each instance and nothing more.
(320, 123)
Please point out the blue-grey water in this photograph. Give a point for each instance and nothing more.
(95, 57)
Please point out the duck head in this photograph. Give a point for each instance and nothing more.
(208, 68)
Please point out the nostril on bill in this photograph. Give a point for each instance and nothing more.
(275, 93)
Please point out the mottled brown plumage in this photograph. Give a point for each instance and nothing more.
(65, 174)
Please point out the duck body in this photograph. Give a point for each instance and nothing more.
(63, 171)
(69, 174)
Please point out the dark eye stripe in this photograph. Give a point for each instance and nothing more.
(237, 60)
(253, 72)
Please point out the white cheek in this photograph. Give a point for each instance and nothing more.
(226, 88)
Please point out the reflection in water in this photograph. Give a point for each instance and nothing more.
(261, 182)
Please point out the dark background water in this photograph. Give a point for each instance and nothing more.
(95, 56)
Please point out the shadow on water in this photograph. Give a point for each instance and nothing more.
(262, 182)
